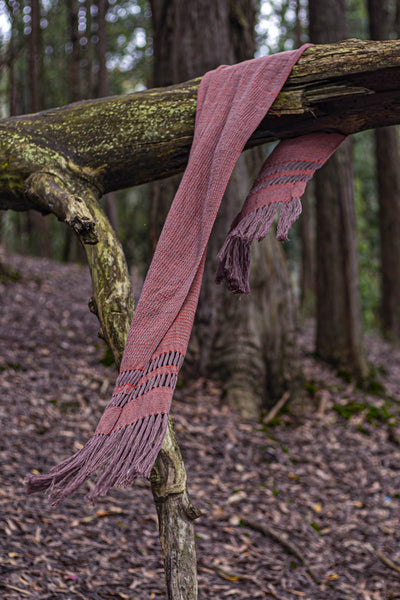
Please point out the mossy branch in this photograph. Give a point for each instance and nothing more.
(126, 140)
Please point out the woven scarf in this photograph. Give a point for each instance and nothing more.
(231, 103)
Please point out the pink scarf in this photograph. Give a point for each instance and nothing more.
(231, 103)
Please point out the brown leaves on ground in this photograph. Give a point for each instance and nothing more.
(306, 507)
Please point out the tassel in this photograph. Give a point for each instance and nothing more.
(288, 214)
(235, 255)
(234, 265)
(128, 452)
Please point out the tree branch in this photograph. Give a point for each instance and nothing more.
(126, 140)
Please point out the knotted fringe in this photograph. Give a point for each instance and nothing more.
(235, 255)
(124, 455)
(126, 442)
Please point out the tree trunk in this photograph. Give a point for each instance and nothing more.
(388, 180)
(339, 328)
(307, 282)
(103, 90)
(89, 51)
(245, 343)
(34, 57)
(308, 254)
(74, 61)
(38, 227)
(13, 80)
(71, 248)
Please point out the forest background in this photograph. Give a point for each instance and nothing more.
(53, 53)
(87, 49)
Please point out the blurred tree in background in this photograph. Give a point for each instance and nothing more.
(339, 326)
(382, 26)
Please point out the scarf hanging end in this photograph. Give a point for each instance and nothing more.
(123, 455)
(235, 255)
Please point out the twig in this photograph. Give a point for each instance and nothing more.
(283, 541)
(276, 408)
(387, 561)
(232, 576)
(323, 404)
(16, 589)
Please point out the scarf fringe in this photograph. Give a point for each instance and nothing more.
(235, 255)
(124, 455)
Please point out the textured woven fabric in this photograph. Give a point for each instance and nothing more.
(232, 101)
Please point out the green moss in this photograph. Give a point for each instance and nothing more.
(108, 359)
(12, 366)
(9, 274)
(311, 387)
(372, 384)
(347, 411)
(316, 527)
(374, 415)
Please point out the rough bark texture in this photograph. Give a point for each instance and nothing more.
(175, 517)
(388, 179)
(339, 326)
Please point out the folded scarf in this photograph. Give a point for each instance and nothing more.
(231, 103)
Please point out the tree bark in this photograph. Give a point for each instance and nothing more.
(74, 60)
(339, 324)
(307, 282)
(388, 180)
(37, 227)
(308, 252)
(71, 248)
(34, 57)
(102, 90)
(13, 51)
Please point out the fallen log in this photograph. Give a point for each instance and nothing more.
(127, 140)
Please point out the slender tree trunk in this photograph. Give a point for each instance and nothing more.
(103, 90)
(339, 329)
(89, 50)
(388, 180)
(307, 223)
(103, 86)
(71, 249)
(308, 258)
(13, 80)
(74, 62)
(34, 56)
(248, 343)
(38, 226)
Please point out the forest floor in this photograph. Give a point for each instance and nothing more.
(306, 507)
